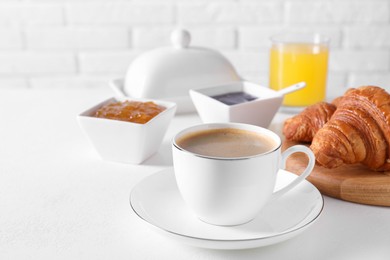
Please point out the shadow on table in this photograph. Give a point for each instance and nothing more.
(162, 158)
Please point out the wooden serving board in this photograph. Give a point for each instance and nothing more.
(353, 183)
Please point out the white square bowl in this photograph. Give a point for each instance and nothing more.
(258, 112)
(122, 141)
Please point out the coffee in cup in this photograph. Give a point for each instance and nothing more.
(226, 172)
(226, 143)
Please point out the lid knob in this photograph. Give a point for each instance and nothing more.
(180, 38)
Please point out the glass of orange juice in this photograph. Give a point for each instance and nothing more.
(299, 57)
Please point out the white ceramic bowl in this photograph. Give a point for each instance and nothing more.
(122, 141)
(258, 112)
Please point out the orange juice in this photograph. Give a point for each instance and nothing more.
(294, 62)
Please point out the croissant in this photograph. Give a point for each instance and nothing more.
(305, 125)
(358, 131)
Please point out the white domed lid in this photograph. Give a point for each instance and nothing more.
(170, 72)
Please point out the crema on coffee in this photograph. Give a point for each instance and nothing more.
(226, 143)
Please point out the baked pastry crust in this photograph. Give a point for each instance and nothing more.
(358, 131)
(304, 126)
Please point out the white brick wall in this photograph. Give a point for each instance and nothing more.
(84, 43)
(334, 11)
(26, 13)
(37, 63)
(230, 13)
(119, 13)
(76, 38)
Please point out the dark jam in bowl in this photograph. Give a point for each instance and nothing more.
(234, 98)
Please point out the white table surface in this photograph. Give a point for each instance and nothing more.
(59, 200)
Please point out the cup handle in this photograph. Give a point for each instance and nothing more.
(304, 174)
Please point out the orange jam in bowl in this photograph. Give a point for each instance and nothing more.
(130, 111)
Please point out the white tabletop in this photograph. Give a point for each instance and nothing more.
(59, 200)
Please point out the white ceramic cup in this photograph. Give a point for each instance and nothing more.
(232, 191)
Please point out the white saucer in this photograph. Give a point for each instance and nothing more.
(157, 201)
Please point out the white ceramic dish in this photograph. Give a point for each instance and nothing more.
(169, 72)
(126, 142)
(258, 112)
(157, 201)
